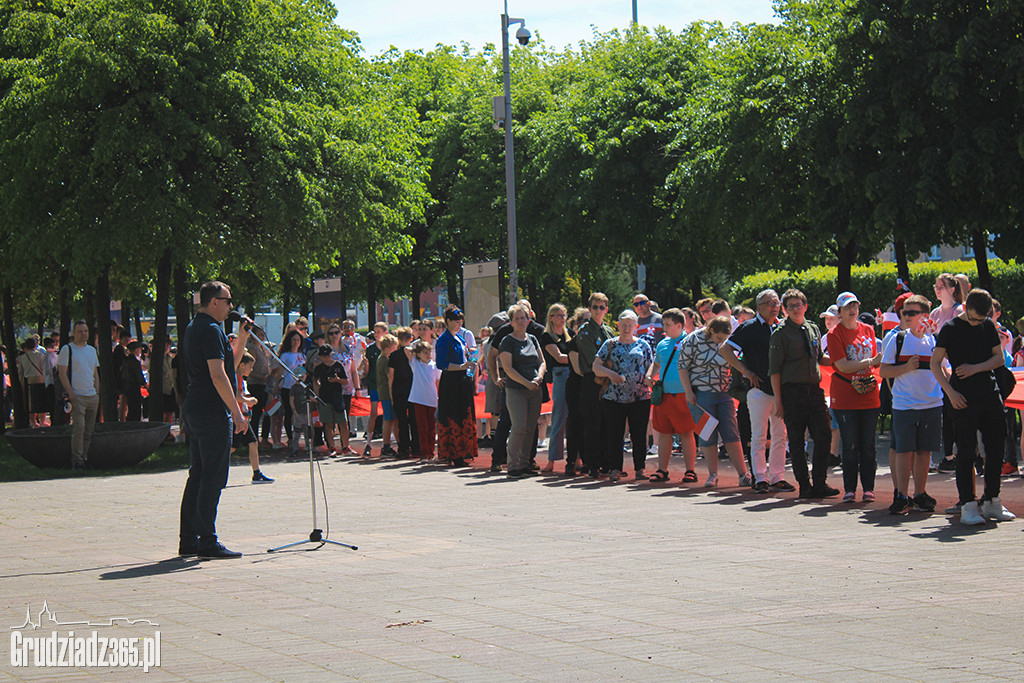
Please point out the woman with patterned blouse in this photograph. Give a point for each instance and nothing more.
(705, 376)
(624, 361)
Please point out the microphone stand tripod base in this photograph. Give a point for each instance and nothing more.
(315, 536)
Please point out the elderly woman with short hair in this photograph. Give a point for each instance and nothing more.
(624, 361)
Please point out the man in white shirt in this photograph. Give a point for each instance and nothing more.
(82, 382)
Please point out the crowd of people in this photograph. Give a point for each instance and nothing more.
(649, 385)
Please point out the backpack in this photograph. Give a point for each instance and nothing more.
(885, 391)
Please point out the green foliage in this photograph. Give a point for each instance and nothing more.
(875, 285)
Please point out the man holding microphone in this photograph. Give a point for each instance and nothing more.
(210, 414)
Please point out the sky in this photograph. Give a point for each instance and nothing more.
(422, 24)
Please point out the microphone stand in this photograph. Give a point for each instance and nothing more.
(317, 535)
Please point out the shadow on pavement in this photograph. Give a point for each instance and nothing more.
(139, 571)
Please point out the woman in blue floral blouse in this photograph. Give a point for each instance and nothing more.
(624, 360)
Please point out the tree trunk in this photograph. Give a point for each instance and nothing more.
(899, 248)
(533, 295)
(137, 316)
(108, 383)
(696, 291)
(286, 307)
(17, 392)
(451, 283)
(126, 313)
(979, 239)
(156, 361)
(64, 328)
(844, 270)
(90, 315)
(371, 298)
(181, 303)
(40, 328)
(414, 288)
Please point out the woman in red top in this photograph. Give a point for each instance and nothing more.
(853, 348)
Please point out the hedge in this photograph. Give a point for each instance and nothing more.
(875, 285)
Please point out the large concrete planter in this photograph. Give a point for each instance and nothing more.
(113, 445)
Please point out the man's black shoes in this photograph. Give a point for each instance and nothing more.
(218, 552)
(818, 491)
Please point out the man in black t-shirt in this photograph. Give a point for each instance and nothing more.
(971, 344)
(209, 413)
(400, 383)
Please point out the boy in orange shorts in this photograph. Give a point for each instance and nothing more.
(672, 415)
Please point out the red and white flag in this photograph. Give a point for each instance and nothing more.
(315, 416)
(273, 405)
(706, 424)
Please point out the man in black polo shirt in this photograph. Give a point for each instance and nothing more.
(971, 343)
(751, 339)
(209, 412)
(794, 354)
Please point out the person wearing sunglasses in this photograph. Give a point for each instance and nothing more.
(971, 343)
(916, 405)
(649, 323)
(592, 335)
(211, 414)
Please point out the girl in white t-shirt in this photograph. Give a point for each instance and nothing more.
(423, 397)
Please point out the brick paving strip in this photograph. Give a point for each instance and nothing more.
(461, 575)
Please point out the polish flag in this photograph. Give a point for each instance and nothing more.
(704, 422)
(273, 405)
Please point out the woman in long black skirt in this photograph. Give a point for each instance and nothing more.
(456, 412)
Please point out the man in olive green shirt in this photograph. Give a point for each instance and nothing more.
(794, 354)
(589, 339)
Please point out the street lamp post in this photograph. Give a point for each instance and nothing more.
(523, 36)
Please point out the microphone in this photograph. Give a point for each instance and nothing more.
(236, 317)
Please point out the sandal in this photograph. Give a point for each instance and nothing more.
(660, 475)
(690, 477)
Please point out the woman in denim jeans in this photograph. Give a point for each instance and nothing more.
(705, 376)
(555, 342)
(853, 348)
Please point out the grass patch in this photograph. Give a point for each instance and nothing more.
(170, 456)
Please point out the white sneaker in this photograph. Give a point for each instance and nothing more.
(993, 509)
(711, 482)
(970, 514)
(745, 480)
(953, 509)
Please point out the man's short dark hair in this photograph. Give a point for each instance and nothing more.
(720, 307)
(793, 294)
(675, 315)
(325, 350)
(979, 301)
(208, 291)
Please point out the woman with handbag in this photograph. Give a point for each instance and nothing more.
(705, 376)
(853, 348)
(624, 361)
(555, 342)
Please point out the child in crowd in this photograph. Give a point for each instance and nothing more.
(300, 425)
(423, 397)
(399, 385)
(372, 355)
(388, 344)
(329, 381)
(245, 403)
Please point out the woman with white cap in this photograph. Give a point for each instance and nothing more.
(624, 361)
(853, 348)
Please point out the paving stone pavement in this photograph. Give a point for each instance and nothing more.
(463, 575)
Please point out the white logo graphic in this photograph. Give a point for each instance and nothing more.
(69, 650)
